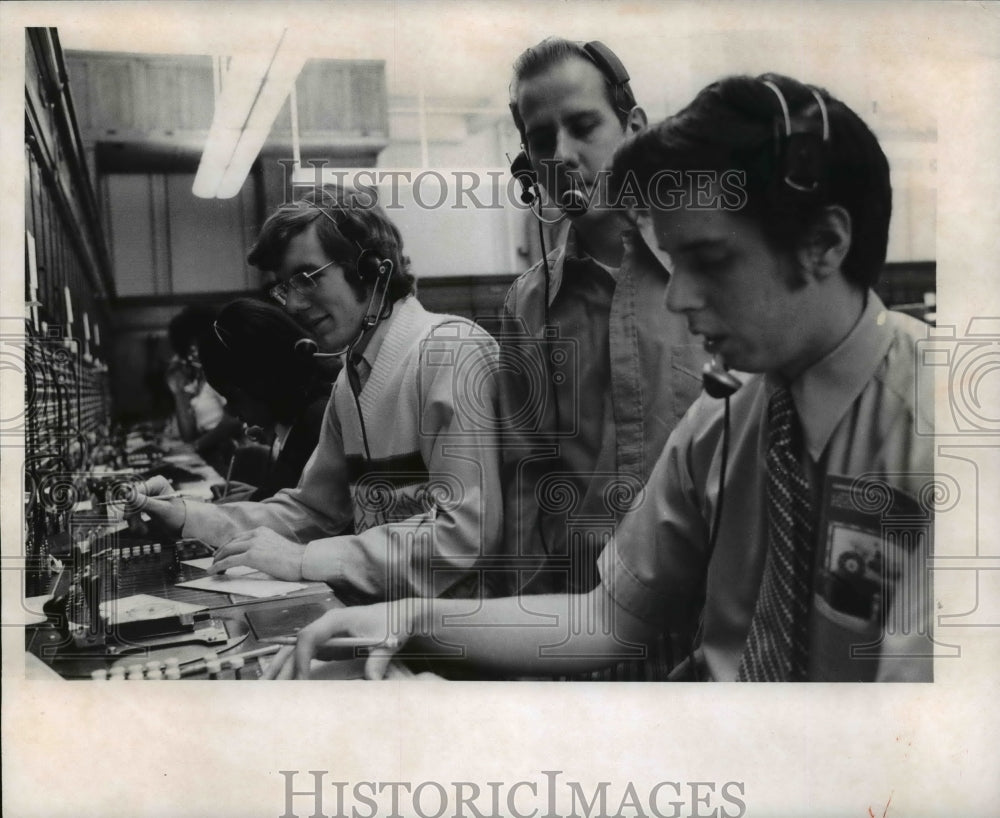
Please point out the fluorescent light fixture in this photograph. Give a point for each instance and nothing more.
(254, 88)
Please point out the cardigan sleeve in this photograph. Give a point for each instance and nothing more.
(460, 516)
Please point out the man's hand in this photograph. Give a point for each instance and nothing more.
(142, 497)
(178, 377)
(388, 626)
(263, 550)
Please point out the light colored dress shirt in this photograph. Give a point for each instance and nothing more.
(861, 409)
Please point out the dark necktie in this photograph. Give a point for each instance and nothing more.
(777, 647)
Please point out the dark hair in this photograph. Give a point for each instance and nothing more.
(188, 326)
(737, 124)
(252, 347)
(552, 51)
(349, 226)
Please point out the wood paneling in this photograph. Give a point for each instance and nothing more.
(208, 239)
(165, 104)
(165, 240)
(131, 233)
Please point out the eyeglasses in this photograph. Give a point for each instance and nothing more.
(302, 283)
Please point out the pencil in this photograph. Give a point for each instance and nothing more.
(229, 474)
(124, 501)
(336, 641)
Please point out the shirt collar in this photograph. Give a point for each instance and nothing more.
(568, 249)
(370, 352)
(826, 390)
(568, 252)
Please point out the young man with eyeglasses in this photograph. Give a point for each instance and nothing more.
(397, 499)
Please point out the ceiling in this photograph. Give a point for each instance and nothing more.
(880, 58)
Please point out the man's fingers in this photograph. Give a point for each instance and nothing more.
(241, 542)
(379, 659)
(151, 505)
(310, 637)
(231, 554)
(303, 657)
(288, 666)
(155, 485)
(278, 662)
(232, 548)
(232, 561)
(138, 495)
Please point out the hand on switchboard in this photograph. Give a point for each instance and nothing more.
(380, 629)
(157, 498)
(263, 550)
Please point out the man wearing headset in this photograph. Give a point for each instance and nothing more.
(407, 455)
(618, 373)
(798, 505)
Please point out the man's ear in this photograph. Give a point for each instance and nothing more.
(635, 121)
(826, 243)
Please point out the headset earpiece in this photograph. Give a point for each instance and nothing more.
(613, 69)
(803, 163)
(800, 148)
(371, 268)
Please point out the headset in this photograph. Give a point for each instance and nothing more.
(376, 272)
(801, 153)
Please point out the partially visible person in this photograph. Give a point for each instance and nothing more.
(401, 494)
(250, 359)
(799, 507)
(200, 410)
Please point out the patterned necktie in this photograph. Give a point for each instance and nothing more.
(777, 646)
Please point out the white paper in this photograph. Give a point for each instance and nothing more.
(142, 607)
(204, 563)
(244, 586)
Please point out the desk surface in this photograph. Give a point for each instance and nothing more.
(130, 563)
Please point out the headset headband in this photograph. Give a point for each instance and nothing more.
(379, 267)
(802, 160)
(787, 116)
(612, 69)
